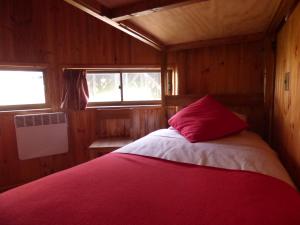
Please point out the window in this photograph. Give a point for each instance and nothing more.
(104, 87)
(124, 86)
(19, 87)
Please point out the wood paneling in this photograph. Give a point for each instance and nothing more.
(209, 20)
(146, 7)
(234, 69)
(216, 42)
(286, 137)
(142, 122)
(89, 9)
(252, 106)
(54, 34)
(230, 100)
(284, 10)
(117, 3)
(269, 84)
(225, 69)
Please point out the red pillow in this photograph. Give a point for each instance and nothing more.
(206, 119)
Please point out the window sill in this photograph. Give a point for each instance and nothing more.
(24, 111)
(125, 106)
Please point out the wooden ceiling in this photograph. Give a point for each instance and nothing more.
(116, 3)
(209, 20)
(169, 23)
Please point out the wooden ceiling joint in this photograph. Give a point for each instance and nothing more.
(284, 10)
(215, 42)
(100, 12)
(138, 29)
(95, 6)
(147, 7)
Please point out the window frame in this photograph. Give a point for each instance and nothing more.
(5, 108)
(122, 102)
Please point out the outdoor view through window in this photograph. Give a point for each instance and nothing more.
(21, 87)
(124, 86)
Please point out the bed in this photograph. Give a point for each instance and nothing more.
(163, 179)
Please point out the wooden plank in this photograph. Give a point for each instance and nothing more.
(83, 42)
(284, 10)
(209, 20)
(227, 99)
(286, 119)
(103, 146)
(114, 113)
(269, 82)
(226, 69)
(164, 70)
(232, 72)
(216, 42)
(96, 6)
(130, 25)
(131, 32)
(111, 142)
(146, 7)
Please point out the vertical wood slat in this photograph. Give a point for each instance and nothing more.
(232, 69)
(52, 33)
(286, 119)
(164, 70)
(269, 82)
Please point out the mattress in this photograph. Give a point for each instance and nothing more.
(243, 151)
(128, 187)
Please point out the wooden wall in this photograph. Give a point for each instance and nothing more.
(286, 136)
(233, 69)
(53, 34)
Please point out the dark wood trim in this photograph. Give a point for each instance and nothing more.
(216, 42)
(91, 11)
(95, 6)
(284, 10)
(23, 66)
(107, 67)
(110, 107)
(8, 108)
(115, 113)
(124, 103)
(25, 111)
(269, 84)
(146, 7)
(164, 70)
(255, 100)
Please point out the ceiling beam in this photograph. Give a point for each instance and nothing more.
(284, 10)
(146, 7)
(96, 6)
(98, 11)
(215, 42)
(138, 29)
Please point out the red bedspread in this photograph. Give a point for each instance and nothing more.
(120, 189)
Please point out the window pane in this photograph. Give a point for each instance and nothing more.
(104, 87)
(21, 87)
(141, 86)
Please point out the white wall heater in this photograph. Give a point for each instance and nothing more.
(41, 135)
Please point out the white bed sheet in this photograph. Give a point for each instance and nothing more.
(243, 151)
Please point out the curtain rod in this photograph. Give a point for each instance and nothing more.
(110, 68)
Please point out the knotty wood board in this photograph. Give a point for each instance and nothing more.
(286, 121)
(209, 20)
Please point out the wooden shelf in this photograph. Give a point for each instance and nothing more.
(103, 146)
